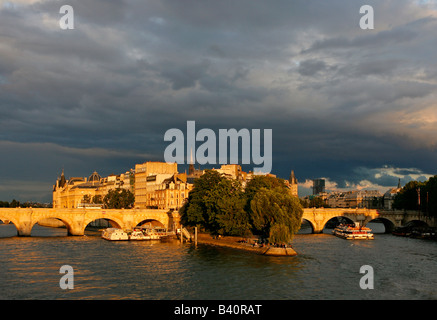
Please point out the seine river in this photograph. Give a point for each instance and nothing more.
(326, 268)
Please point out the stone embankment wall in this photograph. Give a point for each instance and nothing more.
(232, 242)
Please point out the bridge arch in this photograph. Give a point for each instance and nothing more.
(7, 220)
(416, 223)
(68, 224)
(332, 222)
(163, 220)
(151, 222)
(389, 225)
(305, 226)
(114, 221)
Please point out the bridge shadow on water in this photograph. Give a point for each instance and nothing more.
(376, 226)
(38, 231)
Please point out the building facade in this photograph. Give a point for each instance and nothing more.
(155, 185)
(148, 178)
(292, 184)
(171, 194)
(370, 199)
(79, 192)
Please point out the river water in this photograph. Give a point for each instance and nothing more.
(326, 268)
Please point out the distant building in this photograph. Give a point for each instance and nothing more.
(193, 173)
(371, 199)
(318, 186)
(390, 195)
(292, 184)
(232, 171)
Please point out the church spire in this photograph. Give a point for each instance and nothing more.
(62, 180)
(191, 166)
(292, 178)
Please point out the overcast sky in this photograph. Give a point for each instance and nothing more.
(357, 107)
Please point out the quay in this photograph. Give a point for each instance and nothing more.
(233, 242)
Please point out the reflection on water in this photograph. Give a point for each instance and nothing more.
(376, 227)
(326, 268)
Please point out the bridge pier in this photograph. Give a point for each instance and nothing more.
(24, 229)
(318, 228)
(76, 228)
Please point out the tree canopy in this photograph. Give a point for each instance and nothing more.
(277, 216)
(217, 205)
(265, 207)
(408, 197)
(119, 199)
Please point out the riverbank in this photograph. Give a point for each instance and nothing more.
(236, 243)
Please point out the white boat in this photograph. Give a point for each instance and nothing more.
(144, 234)
(353, 232)
(114, 234)
(136, 234)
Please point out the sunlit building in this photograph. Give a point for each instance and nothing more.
(79, 192)
(148, 178)
(292, 184)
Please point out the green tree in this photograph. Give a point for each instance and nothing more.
(317, 202)
(259, 182)
(97, 199)
(429, 197)
(217, 205)
(256, 184)
(276, 215)
(4, 204)
(407, 198)
(118, 199)
(14, 203)
(86, 198)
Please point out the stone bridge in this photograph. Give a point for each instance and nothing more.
(76, 220)
(391, 219)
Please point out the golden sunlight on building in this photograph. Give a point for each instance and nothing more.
(78, 192)
(148, 178)
(155, 185)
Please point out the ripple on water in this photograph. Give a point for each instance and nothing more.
(326, 268)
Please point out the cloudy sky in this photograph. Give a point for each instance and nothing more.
(357, 107)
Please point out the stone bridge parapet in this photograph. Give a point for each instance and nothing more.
(318, 217)
(76, 220)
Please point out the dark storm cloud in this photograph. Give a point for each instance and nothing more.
(311, 67)
(337, 97)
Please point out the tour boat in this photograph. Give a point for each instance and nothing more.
(144, 234)
(353, 232)
(136, 234)
(114, 234)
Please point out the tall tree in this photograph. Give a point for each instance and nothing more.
(259, 182)
(408, 197)
(97, 199)
(216, 204)
(429, 197)
(276, 215)
(119, 199)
